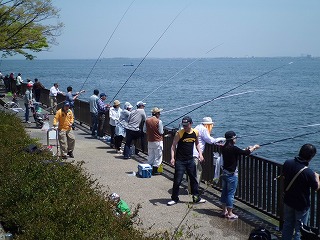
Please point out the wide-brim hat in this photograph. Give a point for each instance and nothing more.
(156, 110)
(207, 120)
(116, 103)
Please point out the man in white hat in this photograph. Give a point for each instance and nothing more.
(153, 127)
(204, 130)
(136, 120)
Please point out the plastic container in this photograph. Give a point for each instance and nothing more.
(144, 170)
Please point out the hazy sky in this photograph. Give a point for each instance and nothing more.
(245, 27)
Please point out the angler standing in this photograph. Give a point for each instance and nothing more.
(64, 117)
(134, 129)
(102, 110)
(37, 86)
(93, 103)
(298, 180)
(182, 160)
(71, 97)
(204, 130)
(154, 130)
(54, 91)
(28, 101)
(114, 115)
(229, 176)
(19, 81)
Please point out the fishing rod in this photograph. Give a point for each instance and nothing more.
(148, 53)
(181, 71)
(281, 130)
(238, 86)
(232, 95)
(106, 44)
(288, 138)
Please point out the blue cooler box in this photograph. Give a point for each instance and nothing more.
(144, 170)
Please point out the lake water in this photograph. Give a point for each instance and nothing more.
(283, 103)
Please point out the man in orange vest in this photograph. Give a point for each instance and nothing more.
(154, 130)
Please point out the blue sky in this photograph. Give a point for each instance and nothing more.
(245, 28)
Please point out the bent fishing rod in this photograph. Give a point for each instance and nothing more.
(232, 95)
(230, 90)
(148, 53)
(106, 44)
(181, 71)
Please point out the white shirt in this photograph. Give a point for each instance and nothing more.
(204, 137)
(114, 114)
(54, 91)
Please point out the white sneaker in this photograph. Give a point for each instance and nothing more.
(28, 122)
(172, 202)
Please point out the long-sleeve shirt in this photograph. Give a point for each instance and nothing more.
(114, 114)
(54, 91)
(101, 107)
(65, 120)
(136, 119)
(204, 137)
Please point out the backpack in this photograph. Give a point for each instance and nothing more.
(260, 234)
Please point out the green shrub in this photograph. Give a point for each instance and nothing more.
(41, 198)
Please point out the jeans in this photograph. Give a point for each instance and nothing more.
(292, 222)
(112, 133)
(26, 114)
(181, 167)
(94, 123)
(229, 187)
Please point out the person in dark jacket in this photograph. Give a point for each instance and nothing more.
(229, 177)
(297, 191)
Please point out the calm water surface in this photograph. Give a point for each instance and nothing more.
(282, 103)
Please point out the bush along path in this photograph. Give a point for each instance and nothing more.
(41, 198)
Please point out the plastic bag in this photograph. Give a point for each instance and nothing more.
(45, 126)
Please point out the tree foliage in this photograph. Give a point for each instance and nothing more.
(28, 26)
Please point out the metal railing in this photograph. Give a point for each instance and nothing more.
(258, 185)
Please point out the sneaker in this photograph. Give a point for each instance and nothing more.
(233, 216)
(126, 157)
(64, 156)
(172, 202)
(119, 151)
(70, 154)
(28, 122)
(198, 200)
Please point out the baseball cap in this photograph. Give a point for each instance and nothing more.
(103, 95)
(140, 103)
(66, 104)
(186, 120)
(230, 135)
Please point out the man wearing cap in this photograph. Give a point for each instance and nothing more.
(134, 128)
(204, 130)
(64, 117)
(93, 102)
(102, 110)
(153, 127)
(28, 101)
(182, 160)
(114, 115)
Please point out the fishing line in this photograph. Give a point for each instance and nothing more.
(288, 138)
(106, 44)
(280, 130)
(148, 53)
(181, 70)
(232, 95)
(240, 85)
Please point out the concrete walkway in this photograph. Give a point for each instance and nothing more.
(152, 194)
